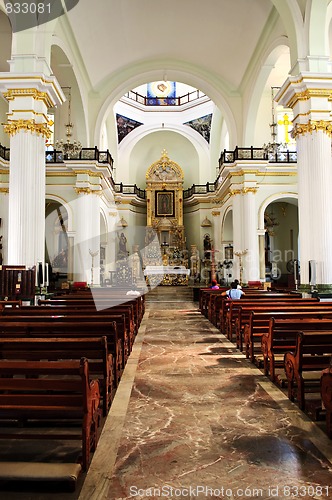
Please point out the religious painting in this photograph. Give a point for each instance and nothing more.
(125, 126)
(202, 125)
(164, 203)
(161, 94)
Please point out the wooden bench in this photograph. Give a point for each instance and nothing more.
(81, 306)
(95, 349)
(303, 367)
(259, 324)
(58, 314)
(326, 395)
(238, 311)
(42, 327)
(54, 392)
(280, 338)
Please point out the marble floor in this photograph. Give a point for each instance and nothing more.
(192, 418)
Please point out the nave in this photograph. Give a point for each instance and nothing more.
(193, 418)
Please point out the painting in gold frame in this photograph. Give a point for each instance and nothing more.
(164, 203)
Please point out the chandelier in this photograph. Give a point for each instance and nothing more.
(69, 149)
(271, 149)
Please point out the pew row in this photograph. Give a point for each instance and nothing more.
(53, 392)
(304, 366)
(95, 349)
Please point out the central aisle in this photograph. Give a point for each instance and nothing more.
(192, 418)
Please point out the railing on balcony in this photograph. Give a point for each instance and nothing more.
(165, 101)
(86, 154)
(209, 187)
(130, 189)
(256, 154)
(4, 153)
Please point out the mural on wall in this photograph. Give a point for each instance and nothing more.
(202, 125)
(125, 125)
(161, 94)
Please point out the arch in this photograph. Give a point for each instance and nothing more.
(138, 75)
(81, 106)
(271, 57)
(292, 19)
(200, 145)
(291, 197)
(67, 205)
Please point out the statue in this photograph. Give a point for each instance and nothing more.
(207, 246)
(123, 252)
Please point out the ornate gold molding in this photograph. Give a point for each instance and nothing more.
(4, 190)
(215, 213)
(307, 94)
(14, 126)
(311, 126)
(88, 190)
(244, 190)
(38, 95)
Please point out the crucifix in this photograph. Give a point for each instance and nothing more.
(93, 255)
(240, 255)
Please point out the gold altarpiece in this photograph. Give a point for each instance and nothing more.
(164, 195)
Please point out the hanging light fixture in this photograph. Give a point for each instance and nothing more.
(70, 149)
(271, 149)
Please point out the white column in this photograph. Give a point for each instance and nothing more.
(309, 95)
(250, 237)
(26, 218)
(87, 240)
(29, 97)
(315, 204)
(237, 230)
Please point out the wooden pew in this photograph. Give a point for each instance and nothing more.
(280, 338)
(95, 349)
(259, 323)
(55, 391)
(237, 312)
(303, 367)
(66, 327)
(326, 395)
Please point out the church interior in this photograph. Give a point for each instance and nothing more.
(146, 152)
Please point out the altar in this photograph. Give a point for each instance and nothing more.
(166, 275)
(165, 257)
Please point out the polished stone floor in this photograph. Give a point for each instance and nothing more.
(192, 418)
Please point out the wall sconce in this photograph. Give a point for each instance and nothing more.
(206, 223)
(122, 223)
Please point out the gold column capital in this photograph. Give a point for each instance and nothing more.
(12, 127)
(312, 126)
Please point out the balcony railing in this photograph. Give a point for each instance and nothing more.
(4, 152)
(130, 189)
(209, 187)
(165, 101)
(86, 154)
(256, 154)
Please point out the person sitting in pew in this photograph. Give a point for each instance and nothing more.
(234, 293)
(214, 285)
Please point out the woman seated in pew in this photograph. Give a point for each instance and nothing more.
(234, 293)
(214, 285)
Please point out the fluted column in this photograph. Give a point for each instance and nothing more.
(245, 238)
(250, 237)
(87, 238)
(310, 97)
(29, 97)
